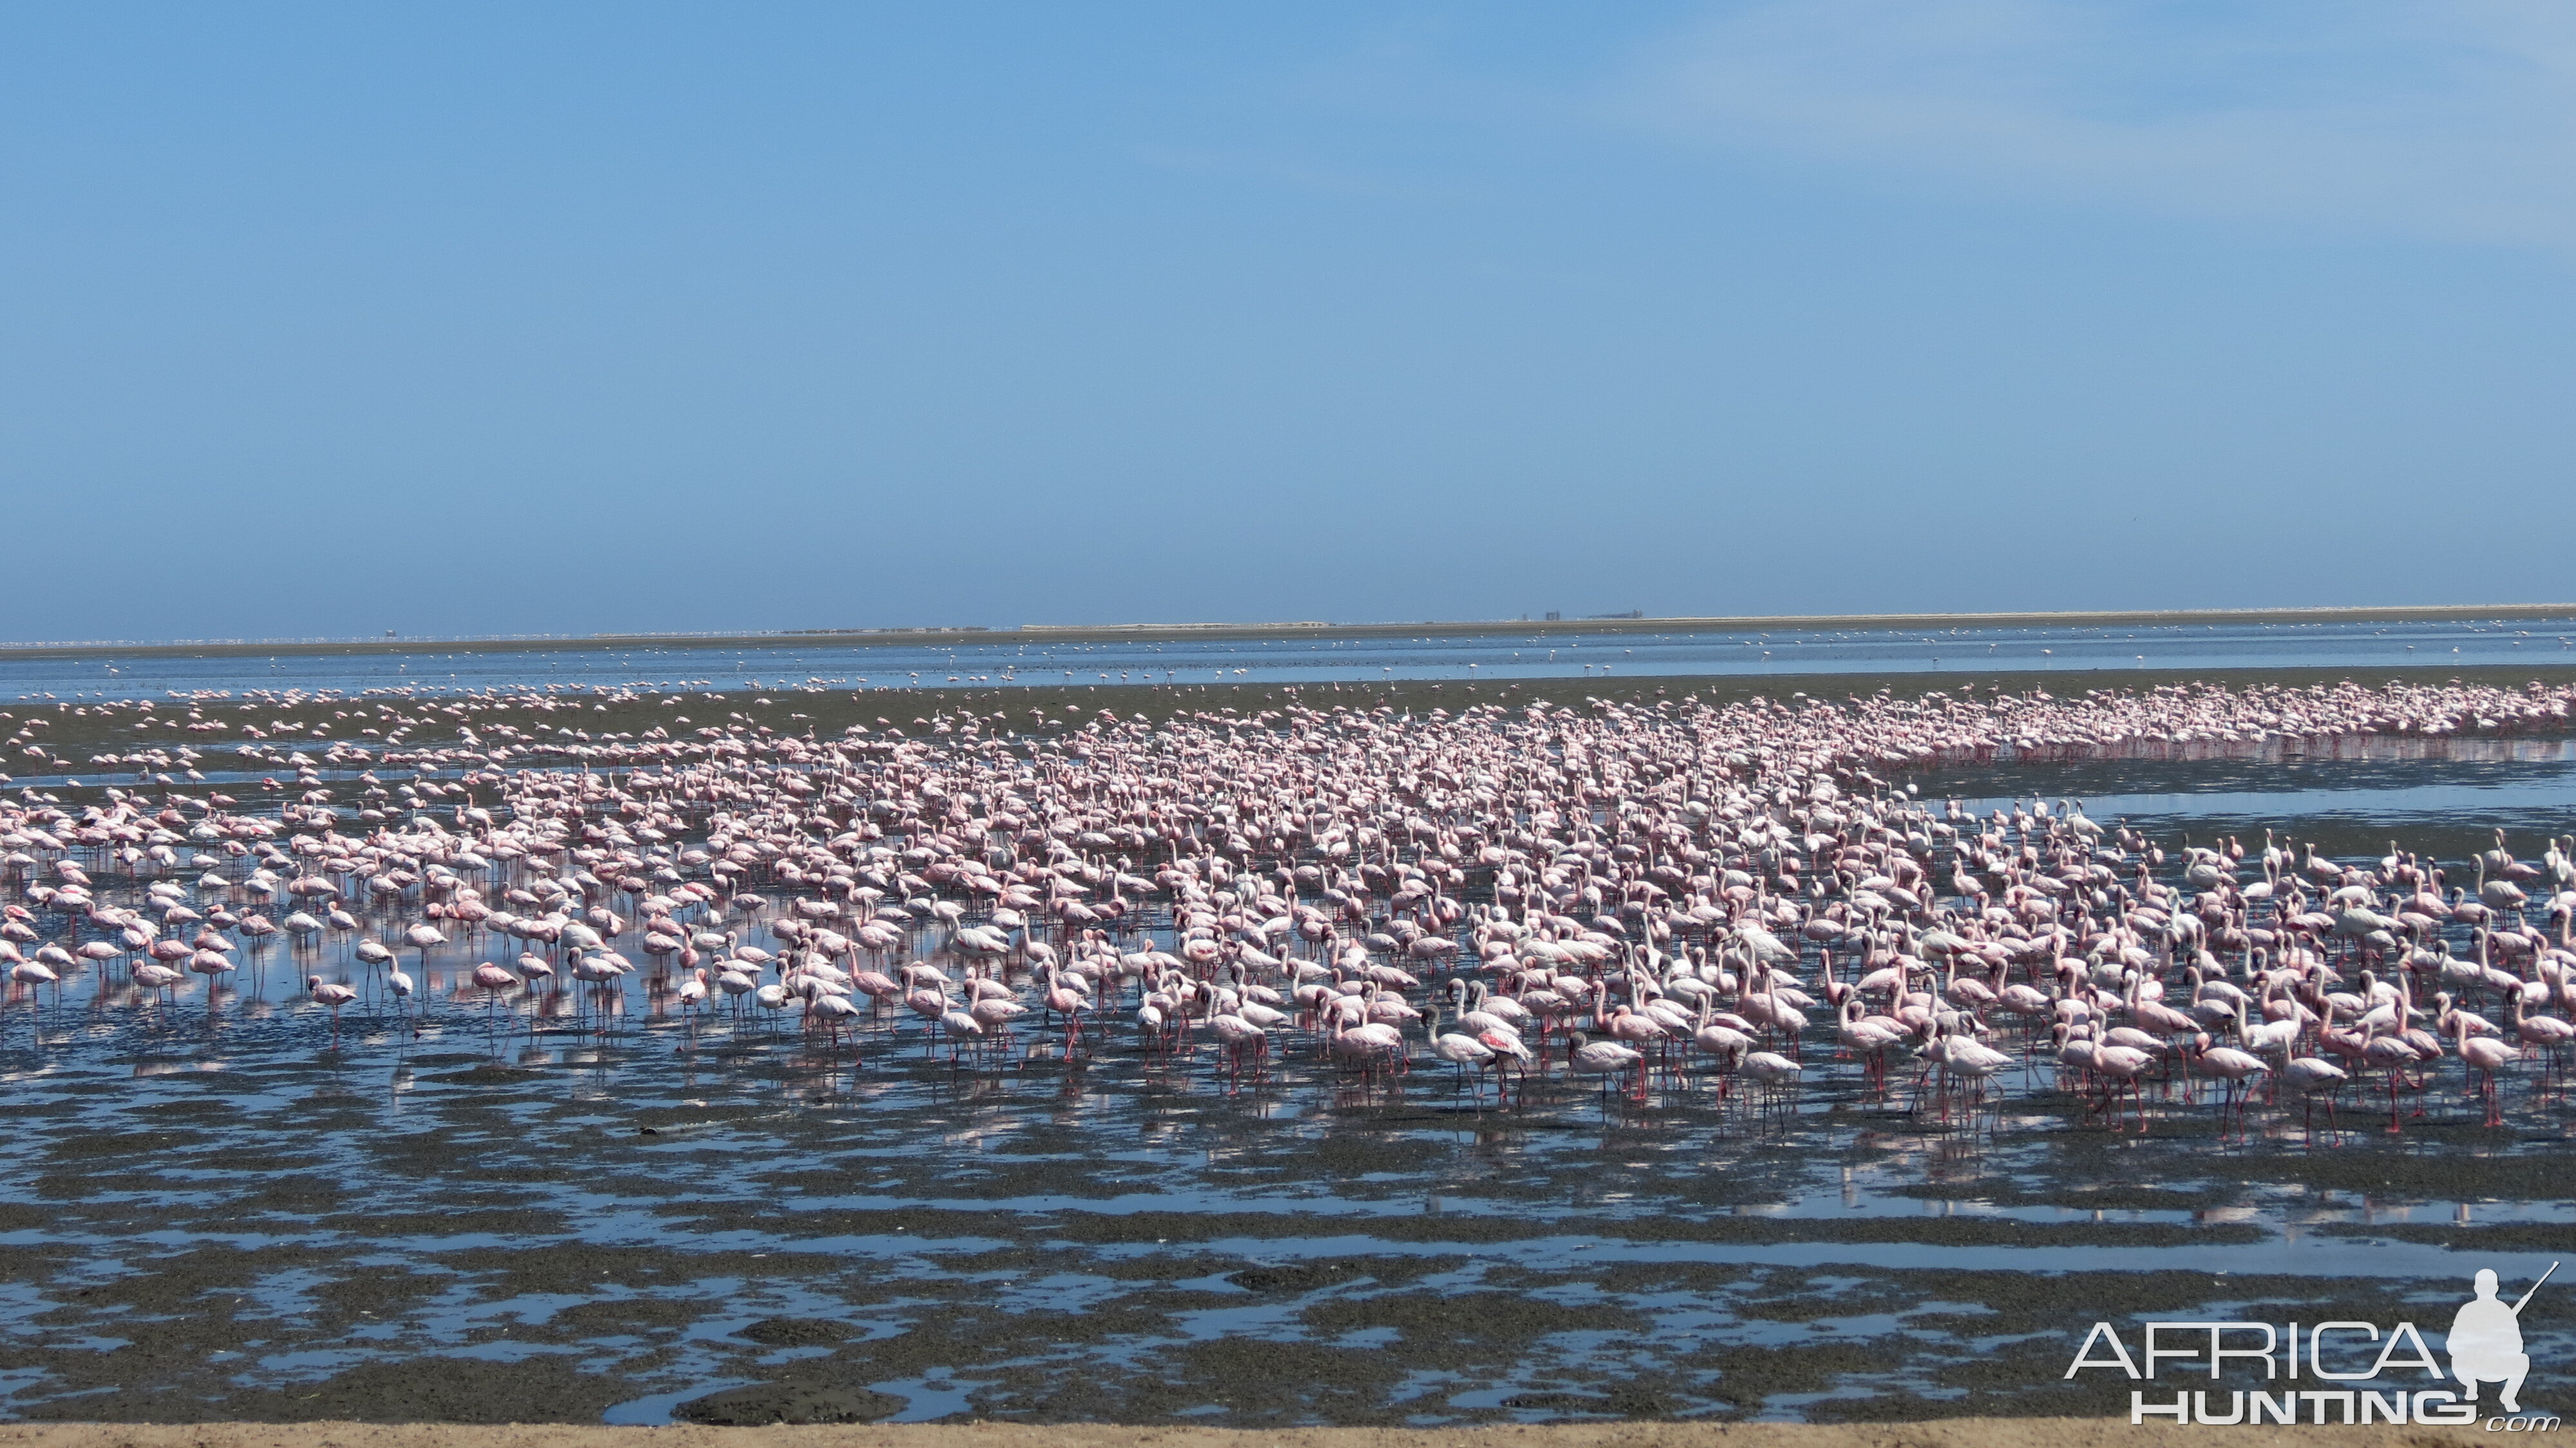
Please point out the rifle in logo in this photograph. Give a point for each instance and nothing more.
(2486, 1341)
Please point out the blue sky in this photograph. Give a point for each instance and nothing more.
(560, 318)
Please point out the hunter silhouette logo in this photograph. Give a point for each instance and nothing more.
(2360, 1373)
(2486, 1341)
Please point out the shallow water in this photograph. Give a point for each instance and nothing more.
(512, 1213)
(1290, 658)
(2350, 807)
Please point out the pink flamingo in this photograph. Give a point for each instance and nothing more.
(333, 995)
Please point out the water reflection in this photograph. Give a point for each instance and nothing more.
(1295, 656)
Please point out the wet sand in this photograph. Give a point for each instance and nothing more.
(423, 1235)
(1954, 1433)
(461, 1231)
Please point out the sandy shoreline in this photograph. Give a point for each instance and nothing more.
(1944, 1433)
(1147, 632)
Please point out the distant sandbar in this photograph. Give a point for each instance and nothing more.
(1102, 633)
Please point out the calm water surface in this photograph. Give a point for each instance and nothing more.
(1289, 659)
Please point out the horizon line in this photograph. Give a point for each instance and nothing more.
(1628, 623)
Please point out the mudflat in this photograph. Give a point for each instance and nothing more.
(1946, 1433)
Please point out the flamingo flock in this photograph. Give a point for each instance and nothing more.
(1706, 897)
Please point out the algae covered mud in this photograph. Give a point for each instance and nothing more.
(1370, 1057)
(1952, 1433)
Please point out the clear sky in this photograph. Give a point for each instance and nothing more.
(459, 318)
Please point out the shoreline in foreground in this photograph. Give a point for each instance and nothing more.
(1929, 1433)
(1147, 632)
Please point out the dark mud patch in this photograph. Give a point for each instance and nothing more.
(628, 1186)
(797, 1332)
(1554, 1402)
(127, 1143)
(621, 1317)
(2006, 1192)
(1153, 1266)
(1261, 1382)
(2535, 1171)
(182, 1283)
(1457, 1330)
(2034, 1302)
(489, 1076)
(1632, 1278)
(1296, 1277)
(520, 1224)
(372, 1290)
(423, 1389)
(2511, 1237)
(1646, 1397)
(1806, 1301)
(1138, 1317)
(292, 1196)
(79, 1185)
(39, 1263)
(968, 1340)
(573, 1268)
(922, 1224)
(998, 1262)
(763, 1405)
(1752, 1230)
(809, 1182)
(1750, 1376)
(1004, 1179)
(1349, 1155)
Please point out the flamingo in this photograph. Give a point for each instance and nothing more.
(2481, 1057)
(832, 1009)
(493, 981)
(2309, 1077)
(1960, 1057)
(1607, 1059)
(2124, 1067)
(1623, 865)
(1238, 1038)
(401, 985)
(2233, 1069)
(332, 995)
(1367, 1044)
